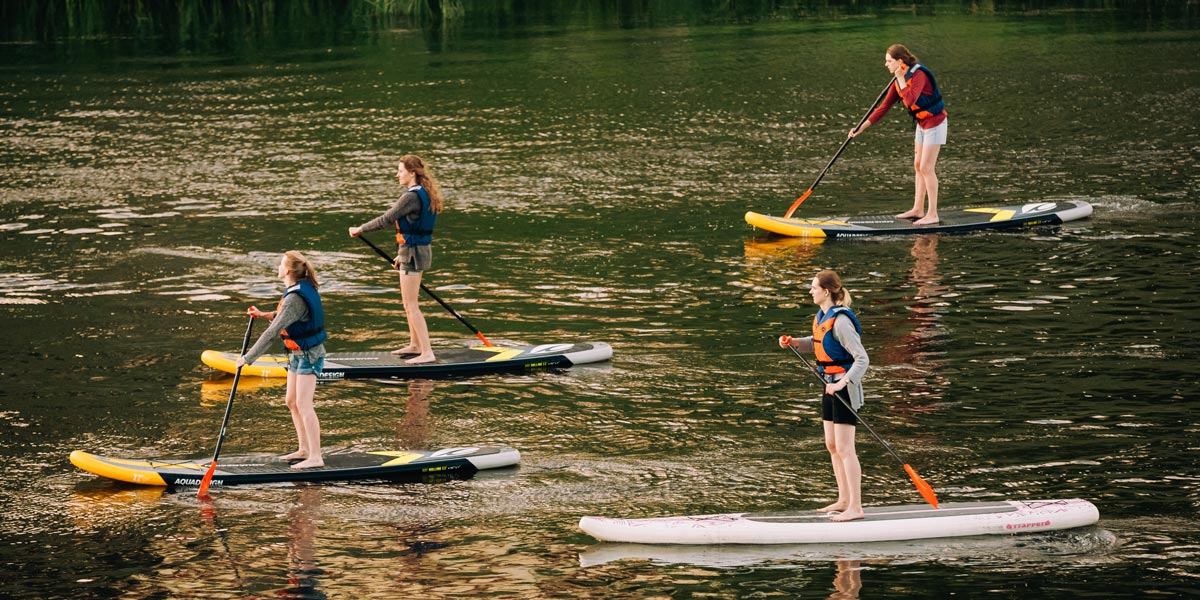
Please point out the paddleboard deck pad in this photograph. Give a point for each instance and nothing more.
(450, 361)
(953, 220)
(402, 465)
(882, 523)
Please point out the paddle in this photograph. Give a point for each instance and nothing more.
(812, 187)
(392, 262)
(924, 488)
(212, 467)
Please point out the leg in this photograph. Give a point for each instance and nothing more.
(918, 209)
(926, 173)
(290, 400)
(851, 473)
(410, 292)
(839, 469)
(310, 427)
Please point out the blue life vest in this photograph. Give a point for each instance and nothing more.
(419, 232)
(305, 334)
(927, 105)
(832, 356)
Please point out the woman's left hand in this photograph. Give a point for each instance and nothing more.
(833, 388)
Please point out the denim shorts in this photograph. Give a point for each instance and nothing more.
(931, 137)
(301, 365)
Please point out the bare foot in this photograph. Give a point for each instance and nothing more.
(424, 358)
(297, 455)
(927, 220)
(839, 505)
(847, 516)
(409, 349)
(311, 463)
(912, 214)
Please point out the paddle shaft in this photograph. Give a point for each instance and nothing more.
(846, 402)
(392, 261)
(237, 375)
(821, 176)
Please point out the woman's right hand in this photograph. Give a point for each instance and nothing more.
(785, 341)
(354, 231)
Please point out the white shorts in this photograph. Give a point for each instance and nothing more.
(931, 137)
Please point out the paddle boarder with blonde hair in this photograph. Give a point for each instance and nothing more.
(841, 359)
(299, 320)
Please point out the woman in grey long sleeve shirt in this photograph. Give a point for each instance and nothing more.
(413, 215)
(300, 321)
(837, 342)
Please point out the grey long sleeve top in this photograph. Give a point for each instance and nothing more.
(293, 310)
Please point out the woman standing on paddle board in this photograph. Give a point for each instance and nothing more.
(837, 342)
(300, 320)
(413, 216)
(916, 86)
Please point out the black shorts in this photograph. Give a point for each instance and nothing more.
(833, 409)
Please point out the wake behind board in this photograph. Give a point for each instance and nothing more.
(403, 465)
(882, 523)
(953, 220)
(450, 361)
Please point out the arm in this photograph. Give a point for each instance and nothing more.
(804, 344)
(845, 333)
(293, 310)
(408, 204)
(880, 111)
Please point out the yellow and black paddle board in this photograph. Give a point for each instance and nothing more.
(450, 361)
(953, 220)
(402, 465)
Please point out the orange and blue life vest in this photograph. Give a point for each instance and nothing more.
(832, 356)
(419, 232)
(927, 105)
(310, 333)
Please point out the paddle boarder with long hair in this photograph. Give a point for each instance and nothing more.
(841, 359)
(413, 215)
(299, 320)
(915, 85)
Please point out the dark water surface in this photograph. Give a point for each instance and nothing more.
(596, 180)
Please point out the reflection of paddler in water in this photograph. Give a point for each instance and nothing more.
(414, 429)
(841, 359)
(923, 316)
(303, 567)
(848, 581)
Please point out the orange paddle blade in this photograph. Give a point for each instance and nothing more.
(204, 483)
(797, 203)
(924, 488)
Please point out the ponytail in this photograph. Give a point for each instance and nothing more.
(300, 268)
(829, 280)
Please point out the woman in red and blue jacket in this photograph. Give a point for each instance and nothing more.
(916, 87)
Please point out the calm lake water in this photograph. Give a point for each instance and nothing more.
(596, 179)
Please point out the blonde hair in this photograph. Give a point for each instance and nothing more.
(829, 280)
(413, 164)
(299, 267)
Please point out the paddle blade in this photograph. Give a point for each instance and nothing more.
(797, 203)
(204, 483)
(924, 488)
